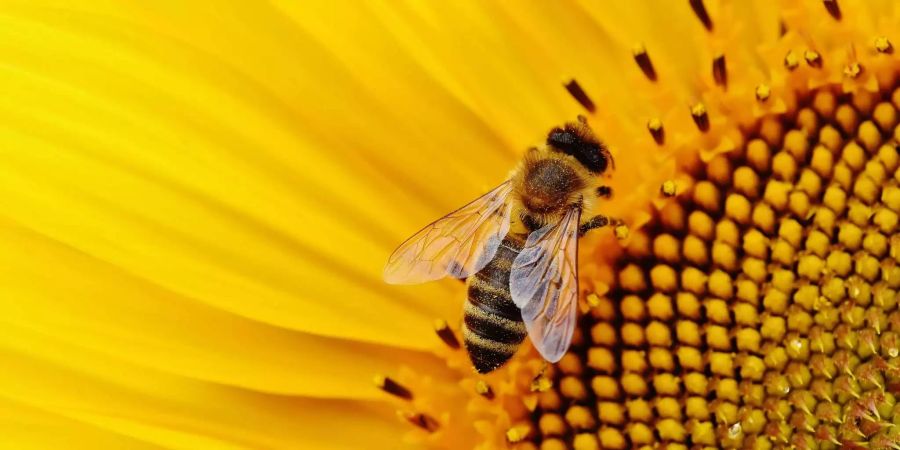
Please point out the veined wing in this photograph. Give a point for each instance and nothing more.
(459, 244)
(544, 285)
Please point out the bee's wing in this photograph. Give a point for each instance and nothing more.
(544, 285)
(459, 244)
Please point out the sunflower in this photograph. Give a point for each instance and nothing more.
(198, 200)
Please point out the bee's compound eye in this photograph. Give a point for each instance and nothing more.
(587, 150)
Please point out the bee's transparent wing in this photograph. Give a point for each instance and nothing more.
(459, 244)
(544, 285)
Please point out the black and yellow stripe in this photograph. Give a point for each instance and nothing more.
(492, 324)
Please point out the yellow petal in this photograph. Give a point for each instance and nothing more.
(178, 413)
(26, 428)
(58, 293)
(210, 176)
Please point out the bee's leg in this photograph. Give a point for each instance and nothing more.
(604, 191)
(595, 222)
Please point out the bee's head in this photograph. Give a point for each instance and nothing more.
(577, 140)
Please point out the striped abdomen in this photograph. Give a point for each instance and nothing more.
(492, 324)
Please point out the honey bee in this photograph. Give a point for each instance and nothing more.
(516, 246)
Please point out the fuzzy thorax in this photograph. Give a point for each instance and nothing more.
(547, 183)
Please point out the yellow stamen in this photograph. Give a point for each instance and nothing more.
(423, 421)
(576, 91)
(762, 92)
(852, 70)
(643, 61)
(700, 11)
(655, 126)
(883, 45)
(519, 433)
(719, 70)
(621, 232)
(812, 58)
(392, 387)
(668, 188)
(791, 60)
(833, 8)
(442, 328)
(483, 389)
(698, 113)
(541, 383)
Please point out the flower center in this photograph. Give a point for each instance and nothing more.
(759, 308)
